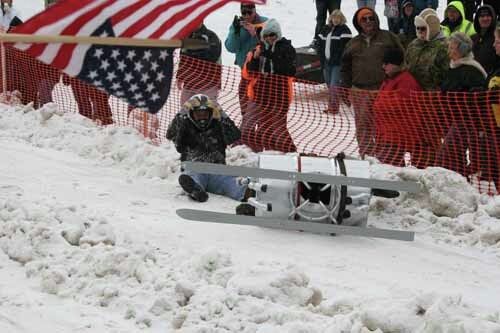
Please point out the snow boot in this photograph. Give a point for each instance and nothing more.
(245, 209)
(194, 190)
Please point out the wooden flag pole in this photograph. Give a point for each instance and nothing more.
(118, 41)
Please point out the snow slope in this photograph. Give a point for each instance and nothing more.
(90, 241)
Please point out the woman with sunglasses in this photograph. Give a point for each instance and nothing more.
(271, 66)
(427, 56)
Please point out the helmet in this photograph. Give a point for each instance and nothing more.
(200, 110)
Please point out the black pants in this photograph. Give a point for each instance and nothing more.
(322, 8)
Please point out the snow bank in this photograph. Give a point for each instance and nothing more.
(447, 208)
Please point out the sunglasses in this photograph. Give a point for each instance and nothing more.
(368, 18)
(421, 28)
(271, 34)
(246, 12)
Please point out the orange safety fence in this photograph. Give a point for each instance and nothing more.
(457, 131)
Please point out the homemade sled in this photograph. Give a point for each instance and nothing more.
(312, 194)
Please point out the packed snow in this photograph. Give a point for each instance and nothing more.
(90, 242)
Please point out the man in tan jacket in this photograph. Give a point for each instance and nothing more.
(362, 72)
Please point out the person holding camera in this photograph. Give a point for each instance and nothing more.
(242, 38)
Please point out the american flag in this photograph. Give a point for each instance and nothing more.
(141, 76)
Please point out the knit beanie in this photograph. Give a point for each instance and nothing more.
(393, 56)
(363, 12)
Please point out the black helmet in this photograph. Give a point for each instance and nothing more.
(200, 110)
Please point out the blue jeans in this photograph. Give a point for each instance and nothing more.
(332, 79)
(332, 75)
(219, 184)
(367, 3)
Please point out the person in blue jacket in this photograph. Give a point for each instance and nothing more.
(244, 35)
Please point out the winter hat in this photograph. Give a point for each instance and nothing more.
(407, 3)
(393, 56)
(247, 6)
(429, 19)
(363, 12)
(271, 26)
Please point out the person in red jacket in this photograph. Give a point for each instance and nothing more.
(394, 122)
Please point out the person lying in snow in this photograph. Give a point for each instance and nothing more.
(201, 131)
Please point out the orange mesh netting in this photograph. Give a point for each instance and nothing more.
(457, 131)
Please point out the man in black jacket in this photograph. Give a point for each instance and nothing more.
(201, 131)
(199, 70)
(485, 23)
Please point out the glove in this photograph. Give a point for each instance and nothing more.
(216, 113)
(237, 24)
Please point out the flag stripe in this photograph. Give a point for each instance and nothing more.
(182, 26)
(167, 20)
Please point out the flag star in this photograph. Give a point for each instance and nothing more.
(145, 77)
(115, 54)
(154, 66)
(105, 64)
(138, 96)
(97, 83)
(160, 76)
(141, 103)
(147, 55)
(133, 87)
(121, 65)
(98, 53)
(93, 75)
(150, 87)
(111, 76)
(164, 54)
(128, 77)
(155, 96)
(131, 54)
(116, 86)
(138, 66)
(120, 93)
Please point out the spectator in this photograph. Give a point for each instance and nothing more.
(496, 6)
(244, 33)
(242, 38)
(322, 7)
(406, 24)
(469, 7)
(332, 41)
(201, 131)
(456, 21)
(367, 3)
(493, 135)
(361, 68)
(10, 17)
(464, 75)
(391, 11)
(427, 57)
(50, 79)
(272, 94)
(420, 5)
(484, 51)
(92, 102)
(394, 124)
(200, 77)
